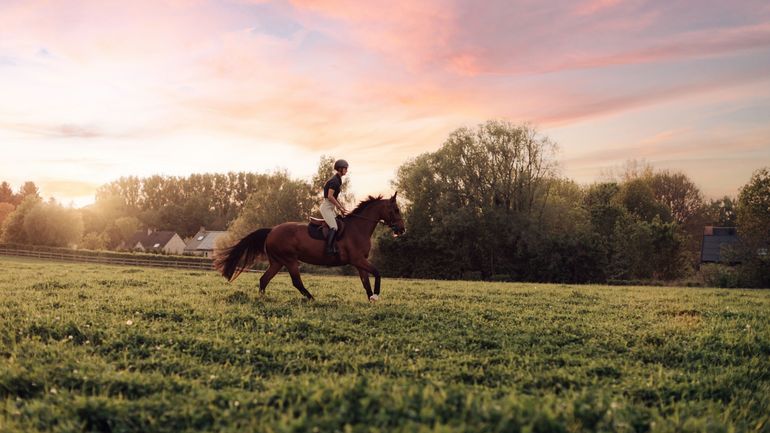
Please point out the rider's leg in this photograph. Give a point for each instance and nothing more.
(329, 215)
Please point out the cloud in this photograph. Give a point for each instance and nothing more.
(692, 45)
(412, 34)
(54, 131)
(382, 81)
(682, 144)
(594, 105)
(593, 6)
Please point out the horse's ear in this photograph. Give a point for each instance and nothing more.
(394, 196)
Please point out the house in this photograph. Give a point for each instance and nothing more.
(155, 241)
(204, 242)
(715, 240)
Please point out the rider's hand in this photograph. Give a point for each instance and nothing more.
(343, 211)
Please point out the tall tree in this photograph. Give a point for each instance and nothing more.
(754, 229)
(722, 212)
(28, 189)
(283, 199)
(52, 225)
(470, 204)
(754, 208)
(6, 193)
(638, 196)
(680, 194)
(5, 210)
(13, 226)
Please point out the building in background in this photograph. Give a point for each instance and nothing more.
(717, 241)
(155, 242)
(204, 242)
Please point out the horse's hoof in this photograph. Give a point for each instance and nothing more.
(374, 298)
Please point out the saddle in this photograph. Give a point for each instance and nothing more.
(318, 229)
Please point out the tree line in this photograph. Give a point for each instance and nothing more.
(238, 202)
(488, 204)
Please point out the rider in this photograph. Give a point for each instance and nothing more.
(331, 192)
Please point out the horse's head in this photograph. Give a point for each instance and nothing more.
(392, 217)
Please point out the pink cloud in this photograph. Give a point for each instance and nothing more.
(593, 6)
(593, 106)
(360, 77)
(691, 45)
(412, 33)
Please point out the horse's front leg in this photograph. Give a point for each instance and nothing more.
(365, 281)
(364, 265)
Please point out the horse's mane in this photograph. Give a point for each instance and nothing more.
(364, 204)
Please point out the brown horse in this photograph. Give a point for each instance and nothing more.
(287, 244)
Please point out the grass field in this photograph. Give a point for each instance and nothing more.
(102, 348)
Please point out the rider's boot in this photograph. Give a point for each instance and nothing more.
(331, 248)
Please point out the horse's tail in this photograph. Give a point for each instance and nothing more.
(230, 262)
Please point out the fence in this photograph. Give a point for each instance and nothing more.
(74, 256)
(114, 258)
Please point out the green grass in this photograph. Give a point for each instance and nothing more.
(106, 348)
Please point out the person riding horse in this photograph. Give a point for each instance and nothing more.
(330, 204)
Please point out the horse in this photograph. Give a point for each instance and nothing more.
(289, 243)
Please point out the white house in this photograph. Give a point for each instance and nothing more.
(156, 241)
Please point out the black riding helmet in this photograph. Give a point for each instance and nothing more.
(340, 163)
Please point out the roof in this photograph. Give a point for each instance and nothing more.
(204, 241)
(714, 239)
(154, 240)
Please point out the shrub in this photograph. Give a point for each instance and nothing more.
(718, 275)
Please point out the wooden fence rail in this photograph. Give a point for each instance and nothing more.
(75, 257)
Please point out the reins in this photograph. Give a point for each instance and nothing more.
(380, 221)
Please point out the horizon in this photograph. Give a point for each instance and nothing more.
(613, 174)
(95, 92)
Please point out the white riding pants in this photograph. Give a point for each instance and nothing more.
(329, 213)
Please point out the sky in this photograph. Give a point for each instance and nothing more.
(92, 90)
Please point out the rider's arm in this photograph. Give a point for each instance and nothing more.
(338, 205)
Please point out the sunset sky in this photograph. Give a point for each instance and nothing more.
(94, 90)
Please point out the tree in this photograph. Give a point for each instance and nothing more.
(647, 250)
(282, 200)
(754, 229)
(722, 212)
(754, 208)
(638, 197)
(603, 206)
(94, 241)
(470, 204)
(52, 225)
(123, 228)
(26, 190)
(6, 193)
(682, 197)
(13, 226)
(5, 210)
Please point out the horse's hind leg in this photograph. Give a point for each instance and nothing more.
(268, 275)
(293, 269)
